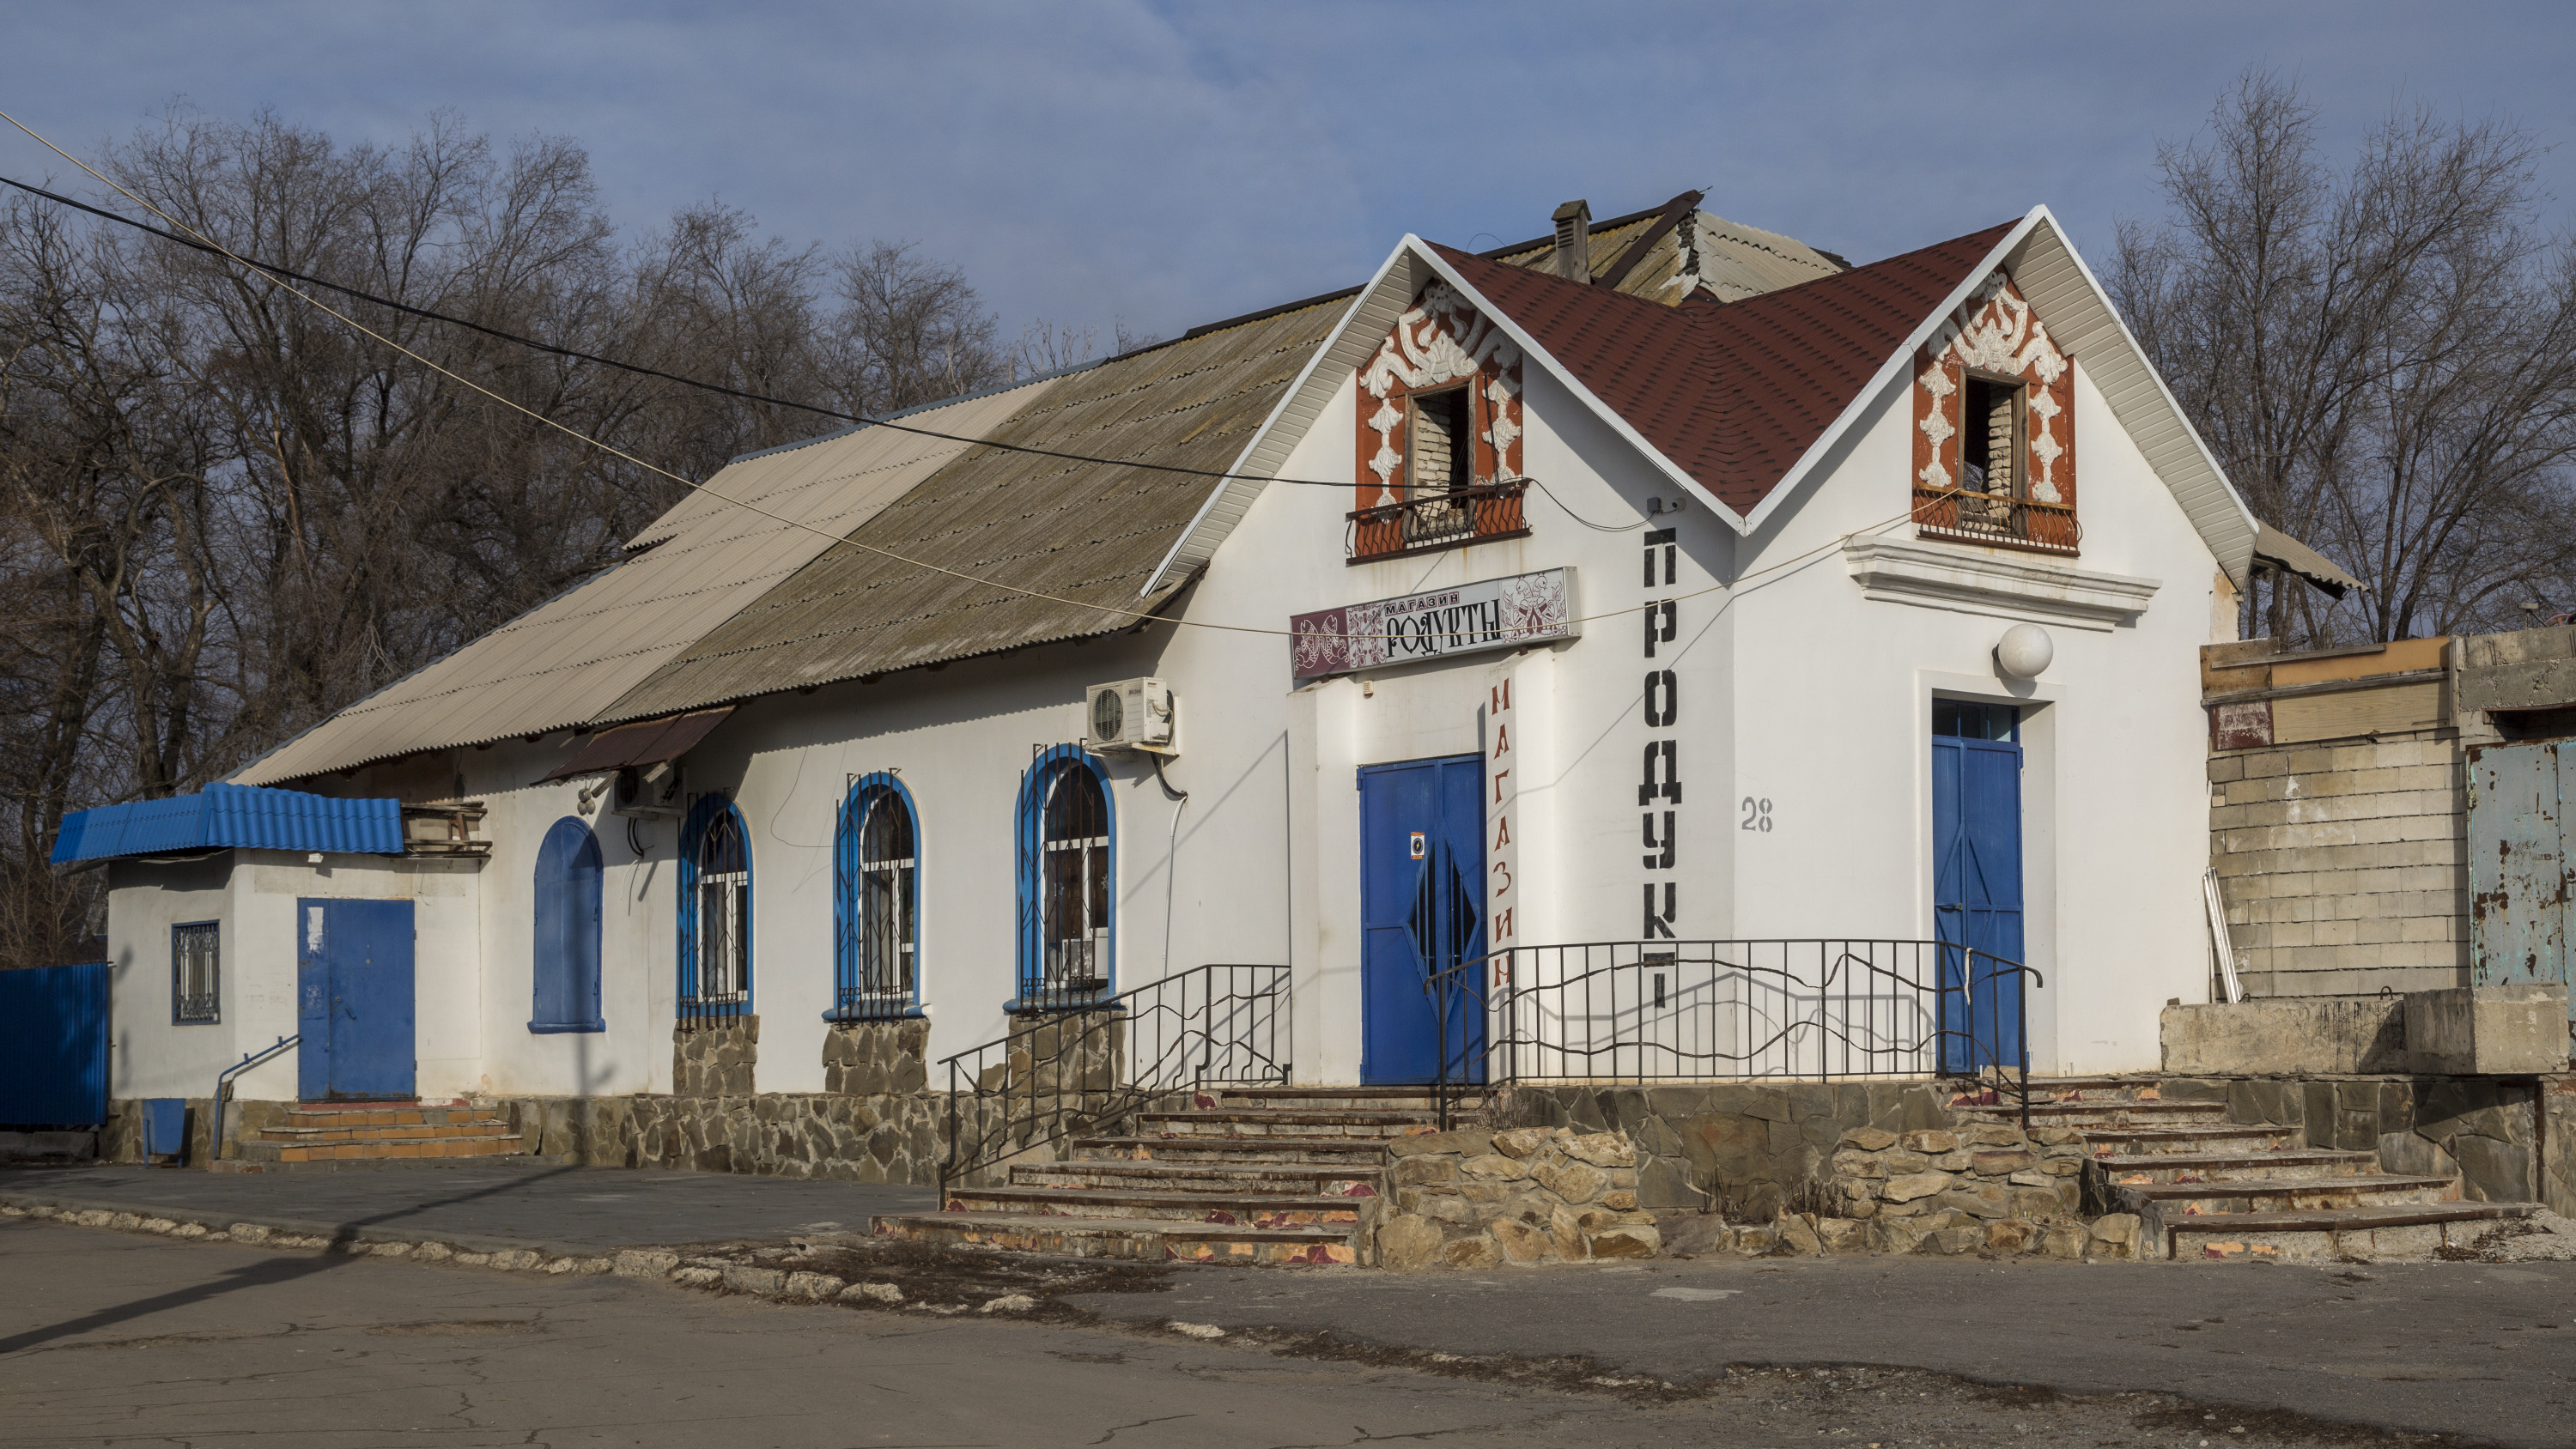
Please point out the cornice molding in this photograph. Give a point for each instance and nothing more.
(1964, 581)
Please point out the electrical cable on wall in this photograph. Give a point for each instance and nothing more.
(1171, 855)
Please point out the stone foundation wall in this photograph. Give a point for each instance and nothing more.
(1743, 1151)
(1478, 1199)
(715, 1058)
(874, 1058)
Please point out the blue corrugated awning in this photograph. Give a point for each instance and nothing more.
(232, 815)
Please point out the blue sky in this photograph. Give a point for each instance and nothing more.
(1172, 164)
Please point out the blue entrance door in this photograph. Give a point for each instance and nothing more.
(353, 999)
(1422, 911)
(1976, 882)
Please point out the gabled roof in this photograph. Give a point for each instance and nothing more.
(1085, 533)
(558, 665)
(1733, 393)
(1737, 401)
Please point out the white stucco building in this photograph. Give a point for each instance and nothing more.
(1643, 601)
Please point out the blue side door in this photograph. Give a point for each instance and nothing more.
(1422, 874)
(1976, 882)
(354, 1000)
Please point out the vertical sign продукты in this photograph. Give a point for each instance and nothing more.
(1659, 789)
(1502, 801)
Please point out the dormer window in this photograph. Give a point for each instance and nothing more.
(1994, 446)
(1439, 434)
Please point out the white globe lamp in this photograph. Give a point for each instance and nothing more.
(2025, 651)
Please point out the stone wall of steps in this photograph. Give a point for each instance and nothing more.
(320, 1136)
(1244, 1175)
(1285, 1175)
(2205, 1188)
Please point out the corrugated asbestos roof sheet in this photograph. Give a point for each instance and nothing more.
(563, 662)
(231, 815)
(1734, 394)
(1086, 533)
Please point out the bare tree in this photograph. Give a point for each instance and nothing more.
(2382, 358)
(225, 513)
(910, 331)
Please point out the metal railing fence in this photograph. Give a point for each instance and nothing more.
(1648, 1011)
(1086, 1066)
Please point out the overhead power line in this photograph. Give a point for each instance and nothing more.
(199, 241)
(196, 244)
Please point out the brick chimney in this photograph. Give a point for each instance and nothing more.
(1574, 241)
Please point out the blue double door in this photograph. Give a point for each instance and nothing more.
(353, 980)
(1977, 884)
(1422, 919)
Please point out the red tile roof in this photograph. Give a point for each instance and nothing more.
(1733, 394)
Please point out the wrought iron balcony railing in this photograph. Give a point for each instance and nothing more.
(1997, 519)
(1432, 521)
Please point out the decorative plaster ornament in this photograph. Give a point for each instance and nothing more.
(2025, 651)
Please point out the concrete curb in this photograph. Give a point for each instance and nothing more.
(685, 1267)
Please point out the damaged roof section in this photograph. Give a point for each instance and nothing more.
(910, 590)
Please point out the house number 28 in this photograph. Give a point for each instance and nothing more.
(1757, 814)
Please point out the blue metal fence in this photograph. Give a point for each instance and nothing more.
(53, 1046)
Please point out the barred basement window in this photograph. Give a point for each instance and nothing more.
(196, 984)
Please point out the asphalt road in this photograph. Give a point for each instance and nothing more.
(2484, 1350)
(123, 1337)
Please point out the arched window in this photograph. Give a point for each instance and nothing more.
(1067, 857)
(715, 911)
(567, 913)
(876, 903)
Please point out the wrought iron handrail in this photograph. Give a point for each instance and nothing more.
(1811, 1007)
(224, 1089)
(1078, 1066)
(1431, 521)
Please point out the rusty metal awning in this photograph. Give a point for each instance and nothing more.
(650, 743)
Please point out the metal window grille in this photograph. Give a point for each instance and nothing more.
(1073, 889)
(881, 896)
(724, 913)
(196, 983)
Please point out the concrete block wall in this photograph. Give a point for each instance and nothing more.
(2344, 865)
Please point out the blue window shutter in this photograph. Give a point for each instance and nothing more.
(567, 889)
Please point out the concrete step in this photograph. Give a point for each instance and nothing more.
(2159, 1205)
(1367, 1152)
(2217, 1137)
(2413, 1231)
(2103, 1174)
(1258, 1210)
(1281, 1122)
(1336, 1099)
(1150, 1239)
(387, 1148)
(488, 1127)
(1274, 1179)
(2093, 1113)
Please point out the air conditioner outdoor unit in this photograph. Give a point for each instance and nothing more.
(646, 792)
(1132, 714)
